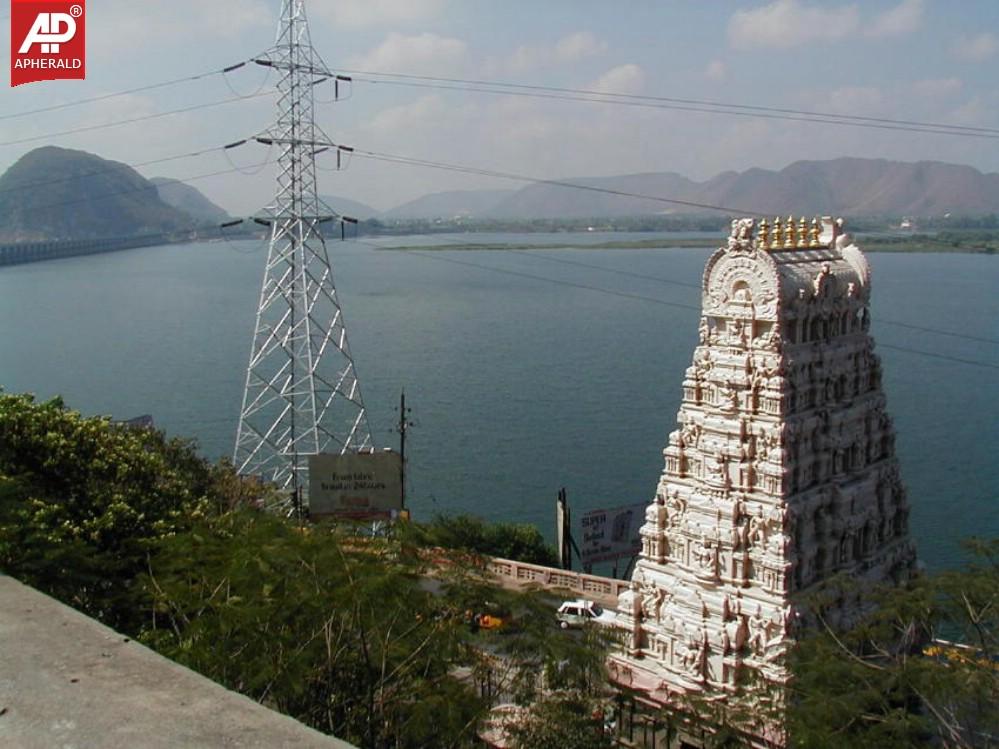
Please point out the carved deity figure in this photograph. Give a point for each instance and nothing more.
(706, 555)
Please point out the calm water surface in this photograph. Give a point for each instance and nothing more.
(519, 385)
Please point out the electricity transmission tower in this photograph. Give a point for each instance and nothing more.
(302, 396)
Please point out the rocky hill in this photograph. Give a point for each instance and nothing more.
(57, 193)
(847, 186)
(188, 199)
(453, 204)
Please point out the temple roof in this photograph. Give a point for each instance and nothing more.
(763, 270)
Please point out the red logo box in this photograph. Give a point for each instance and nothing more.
(47, 41)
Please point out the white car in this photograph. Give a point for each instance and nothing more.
(579, 612)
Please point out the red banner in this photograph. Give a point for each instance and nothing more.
(47, 41)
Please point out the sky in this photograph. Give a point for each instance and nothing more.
(921, 60)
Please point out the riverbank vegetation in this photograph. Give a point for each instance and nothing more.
(369, 639)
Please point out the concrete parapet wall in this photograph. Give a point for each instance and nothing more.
(605, 590)
(68, 681)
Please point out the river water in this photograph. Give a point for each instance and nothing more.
(526, 371)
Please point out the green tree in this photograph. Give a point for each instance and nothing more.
(559, 721)
(919, 670)
(82, 499)
(363, 638)
(520, 541)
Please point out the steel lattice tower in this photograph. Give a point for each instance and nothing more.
(302, 396)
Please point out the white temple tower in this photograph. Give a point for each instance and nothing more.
(781, 474)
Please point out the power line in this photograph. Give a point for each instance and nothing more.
(142, 188)
(674, 282)
(561, 282)
(686, 284)
(126, 92)
(935, 355)
(566, 261)
(390, 158)
(21, 187)
(132, 120)
(662, 302)
(672, 103)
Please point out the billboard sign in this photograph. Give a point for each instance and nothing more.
(357, 485)
(613, 533)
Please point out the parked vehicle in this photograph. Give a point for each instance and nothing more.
(580, 612)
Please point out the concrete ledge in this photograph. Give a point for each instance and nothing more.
(68, 682)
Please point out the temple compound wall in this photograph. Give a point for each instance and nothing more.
(781, 472)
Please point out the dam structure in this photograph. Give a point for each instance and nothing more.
(780, 475)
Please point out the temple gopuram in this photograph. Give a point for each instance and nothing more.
(781, 472)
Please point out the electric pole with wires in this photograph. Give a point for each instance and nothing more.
(302, 396)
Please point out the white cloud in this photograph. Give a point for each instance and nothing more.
(973, 112)
(525, 58)
(570, 48)
(788, 23)
(937, 87)
(624, 79)
(716, 71)
(119, 25)
(406, 117)
(861, 100)
(361, 13)
(423, 53)
(578, 45)
(977, 48)
(904, 18)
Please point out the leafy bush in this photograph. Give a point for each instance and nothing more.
(518, 541)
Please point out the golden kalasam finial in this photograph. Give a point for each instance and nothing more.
(813, 235)
(802, 233)
(789, 236)
(776, 236)
(763, 235)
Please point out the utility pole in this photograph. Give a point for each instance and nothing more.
(563, 532)
(301, 396)
(404, 424)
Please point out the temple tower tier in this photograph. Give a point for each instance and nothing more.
(781, 472)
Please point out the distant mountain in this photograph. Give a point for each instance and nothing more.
(188, 199)
(453, 204)
(348, 207)
(847, 186)
(552, 201)
(57, 193)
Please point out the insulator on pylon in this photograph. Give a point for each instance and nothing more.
(231, 68)
(235, 144)
(336, 85)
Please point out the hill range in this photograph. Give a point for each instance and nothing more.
(57, 193)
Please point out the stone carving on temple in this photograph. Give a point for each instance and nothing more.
(781, 472)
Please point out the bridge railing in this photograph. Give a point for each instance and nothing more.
(593, 587)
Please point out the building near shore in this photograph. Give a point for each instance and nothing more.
(781, 473)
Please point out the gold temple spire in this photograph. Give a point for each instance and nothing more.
(776, 236)
(802, 233)
(763, 235)
(790, 241)
(813, 235)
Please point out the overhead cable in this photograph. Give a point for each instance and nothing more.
(132, 120)
(126, 92)
(672, 103)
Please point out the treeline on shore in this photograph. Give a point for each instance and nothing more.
(368, 637)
